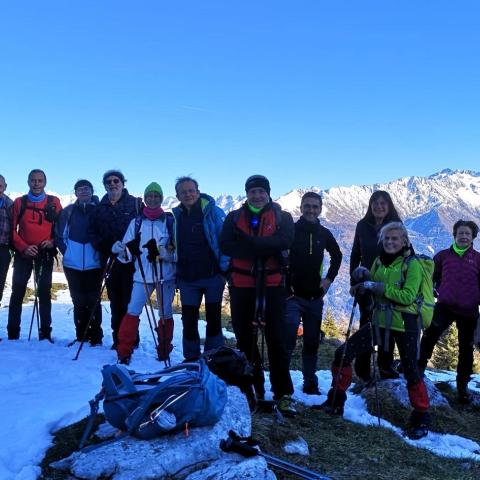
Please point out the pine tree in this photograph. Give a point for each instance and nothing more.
(445, 355)
(329, 326)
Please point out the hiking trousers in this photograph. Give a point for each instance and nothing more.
(310, 312)
(242, 307)
(119, 289)
(191, 294)
(85, 286)
(362, 341)
(5, 258)
(443, 317)
(22, 269)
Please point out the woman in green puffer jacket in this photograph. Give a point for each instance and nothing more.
(394, 321)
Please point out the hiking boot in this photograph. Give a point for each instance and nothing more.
(96, 343)
(416, 433)
(311, 389)
(45, 336)
(286, 406)
(334, 405)
(463, 394)
(125, 360)
(388, 373)
(418, 425)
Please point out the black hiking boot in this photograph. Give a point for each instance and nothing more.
(45, 336)
(125, 360)
(463, 394)
(311, 389)
(334, 405)
(388, 373)
(418, 426)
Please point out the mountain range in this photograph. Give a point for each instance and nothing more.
(429, 206)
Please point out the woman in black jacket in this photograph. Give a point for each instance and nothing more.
(364, 251)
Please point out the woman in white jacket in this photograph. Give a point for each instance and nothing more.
(148, 242)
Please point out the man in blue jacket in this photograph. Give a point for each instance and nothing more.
(200, 265)
(81, 263)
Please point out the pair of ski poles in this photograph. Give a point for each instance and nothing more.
(37, 274)
(149, 305)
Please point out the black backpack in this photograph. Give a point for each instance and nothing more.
(49, 211)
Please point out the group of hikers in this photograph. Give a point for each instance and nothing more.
(274, 269)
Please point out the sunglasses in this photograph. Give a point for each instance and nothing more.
(112, 181)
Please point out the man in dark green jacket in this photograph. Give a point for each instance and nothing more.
(306, 285)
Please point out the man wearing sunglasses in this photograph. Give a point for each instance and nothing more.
(107, 226)
(34, 217)
(307, 286)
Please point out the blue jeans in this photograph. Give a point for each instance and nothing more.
(191, 294)
(310, 312)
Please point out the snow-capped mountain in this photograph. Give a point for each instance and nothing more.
(429, 206)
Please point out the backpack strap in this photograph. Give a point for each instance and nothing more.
(138, 225)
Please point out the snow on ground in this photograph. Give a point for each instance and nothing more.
(44, 389)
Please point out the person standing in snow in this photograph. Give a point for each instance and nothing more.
(148, 240)
(108, 225)
(81, 263)
(256, 237)
(201, 267)
(306, 285)
(395, 306)
(34, 216)
(365, 249)
(457, 282)
(6, 205)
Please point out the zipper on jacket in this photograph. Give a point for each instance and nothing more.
(310, 244)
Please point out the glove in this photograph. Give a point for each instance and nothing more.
(118, 248)
(360, 274)
(134, 246)
(152, 249)
(378, 288)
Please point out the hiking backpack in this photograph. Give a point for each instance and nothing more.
(49, 211)
(231, 365)
(150, 405)
(425, 301)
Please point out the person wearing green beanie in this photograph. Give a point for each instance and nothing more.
(148, 243)
(456, 281)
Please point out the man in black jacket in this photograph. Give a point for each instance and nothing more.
(255, 237)
(107, 226)
(307, 287)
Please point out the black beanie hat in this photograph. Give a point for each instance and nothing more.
(115, 173)
(83, 183)
(257, 181)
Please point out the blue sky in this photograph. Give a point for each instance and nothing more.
(308, 93)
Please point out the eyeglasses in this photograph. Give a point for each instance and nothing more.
(311, 206)
(112, 181)
(83, 190)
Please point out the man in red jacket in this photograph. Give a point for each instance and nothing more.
(34, 217)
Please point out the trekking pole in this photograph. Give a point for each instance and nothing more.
(106, 273)
(35, 302)
(160, 304)
(375, 360)
(246, 447)
(342, 359)
(148, 299)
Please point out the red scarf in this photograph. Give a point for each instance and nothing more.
(153, 213)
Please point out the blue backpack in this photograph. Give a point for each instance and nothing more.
(149, 405)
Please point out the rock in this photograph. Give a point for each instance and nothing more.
(298, 447)
(398, 390)
(133, 459)
(226, 469)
